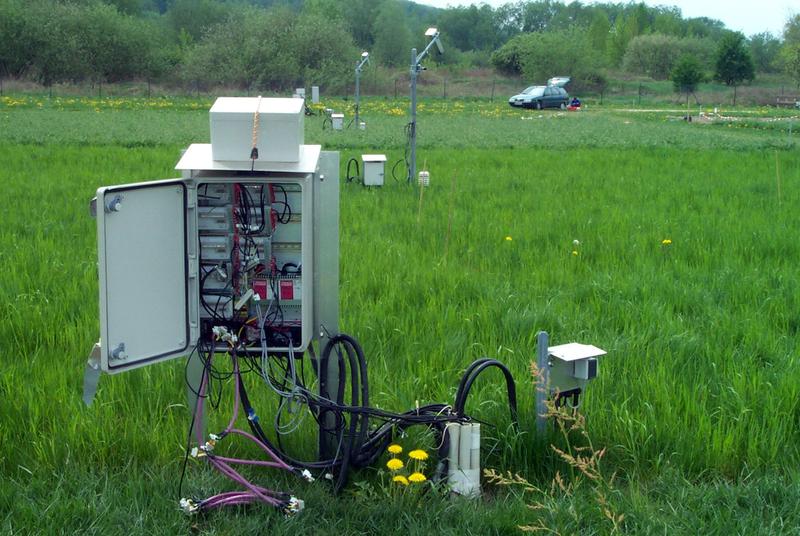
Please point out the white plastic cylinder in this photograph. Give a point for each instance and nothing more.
(424, 178)
(453, 434)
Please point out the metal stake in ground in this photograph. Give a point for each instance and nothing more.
(433, 34)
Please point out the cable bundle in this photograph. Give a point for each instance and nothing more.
(360, 433)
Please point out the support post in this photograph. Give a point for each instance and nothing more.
(326, 284)
(358, 92)
(412, 165)
(194, 378)
(543, 364)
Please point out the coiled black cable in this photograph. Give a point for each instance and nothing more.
(408, 129)
(357, 445)
(350, 177)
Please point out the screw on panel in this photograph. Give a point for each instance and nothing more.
(119, 352)
(114, 204)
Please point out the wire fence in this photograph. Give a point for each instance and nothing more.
(430, 86)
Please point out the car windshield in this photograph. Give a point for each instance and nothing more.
(535, 91)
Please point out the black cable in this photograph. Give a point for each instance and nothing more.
(472, 373)
(194, 417)
(348, 175)
(408, 130)
(357, 445)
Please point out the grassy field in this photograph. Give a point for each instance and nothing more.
(697, 403)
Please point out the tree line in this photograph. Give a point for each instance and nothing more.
(281, 44)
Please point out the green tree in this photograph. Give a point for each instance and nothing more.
(653, 55)
(469, 28)
(733, 63)
(15, 37)
(195, 16)
(687, 75)
(360, 16)
(764, 49)
(508, 58)
(599, 31)
(668, 21)
(790, 57)
(55, 48)
(536, 16)
(791, 31)
(392, 37)
(575, 56)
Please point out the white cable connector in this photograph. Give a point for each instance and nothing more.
(189, 507)
(242, 301)
(204, 450)
(222, 333)
(306, 474)
(294, 506)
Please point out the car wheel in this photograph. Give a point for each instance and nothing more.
(538, 105)
(563, 105)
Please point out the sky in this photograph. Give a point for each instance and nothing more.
(746, 16)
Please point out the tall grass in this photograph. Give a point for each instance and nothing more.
(701, 382)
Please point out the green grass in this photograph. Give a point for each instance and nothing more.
(697, 401)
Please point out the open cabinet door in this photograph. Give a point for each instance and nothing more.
(143, 269)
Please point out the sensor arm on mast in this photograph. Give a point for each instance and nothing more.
(359, 67)
(433, 34)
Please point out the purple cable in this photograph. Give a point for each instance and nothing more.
(239, 479)
(249, 462)
(254, 493)
(263, 447)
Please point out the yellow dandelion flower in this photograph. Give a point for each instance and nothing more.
(395, 449)
(400, 479)
(666, 242)
(508, 238)
(418, 454)
(575, 252)
(417, 478)
(394, 464)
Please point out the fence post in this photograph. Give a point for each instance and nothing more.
(491, 99)
(444, 89)
(395, 88)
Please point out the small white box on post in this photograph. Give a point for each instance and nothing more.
(315, 94)
(337, 121)
(374, 166)
(278, 125)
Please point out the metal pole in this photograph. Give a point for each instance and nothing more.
(195, 370)
(412, 166)
(358, 92)
(542, 362)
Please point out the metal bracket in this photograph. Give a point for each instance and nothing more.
(91, 375)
